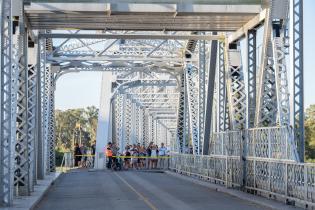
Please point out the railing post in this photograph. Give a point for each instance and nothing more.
(269, 156)
(305, 182)
(243, 156)
(254, 156)
(286, 179)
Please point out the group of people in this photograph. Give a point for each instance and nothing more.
(81, 155)
(136, 156)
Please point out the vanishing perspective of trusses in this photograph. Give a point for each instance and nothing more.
(209, 78)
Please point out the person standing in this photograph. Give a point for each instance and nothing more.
(115, 150)
(162, 154)
(93, 148)
(154, 156)
(84, 157)
(109, 155)
(149, 149)
(127, 158)
(77, 155)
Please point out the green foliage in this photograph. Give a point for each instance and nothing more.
(75, 126)
(310, 133)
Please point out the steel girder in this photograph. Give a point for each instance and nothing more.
(297, 72)
(40, 144)
(202, 91)
(23, 158)
(51, 123)
(251, 83)
(119, 119)
(236, 89)
(266, 110)
(128, 121)
(45, 82)
(32, 114)
(209, 108)
(222, 99)
(282, 83)
(9, 74)
(192, 83)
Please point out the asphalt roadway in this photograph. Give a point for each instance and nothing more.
(132, 190)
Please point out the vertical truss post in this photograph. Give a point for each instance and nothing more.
(266, 105)
(133, 137)
(32, 106)
(296, 68)
(8, 78)
(141, 126)
(128, 120)
(45, 96)
(122, 136)
(210, 95)
(136, 124)
(156, 129)
(193, 104)
(222, 125)
(202, 90)
(42, 104)
(145, 130)
(22, 173)
(250, 82)
(282, 83)
(181, 115)
(51, 131)
(235, 88)
(187, 133)
(151, 121)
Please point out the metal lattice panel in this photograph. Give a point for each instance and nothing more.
(202, 89)
(32, 85)
(22, 172)
(282, 83)
(221, 87)
(251, 77)
(193, 104)
(8, 105)
(296, 67)
(51, 130)
(128, 121)
(236, 90)
(181, 134)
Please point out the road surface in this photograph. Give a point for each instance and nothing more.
(128, 190)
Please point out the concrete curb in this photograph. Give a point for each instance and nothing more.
(270, 204)
(43, 193)
(30, 202)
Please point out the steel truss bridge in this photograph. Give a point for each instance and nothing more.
(220, 82)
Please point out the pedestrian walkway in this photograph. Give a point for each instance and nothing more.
(83, 190)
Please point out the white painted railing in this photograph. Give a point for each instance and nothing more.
(260, 160)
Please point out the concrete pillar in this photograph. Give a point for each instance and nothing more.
(103, 126)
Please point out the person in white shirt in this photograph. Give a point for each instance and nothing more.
(154, 154)
(162, 154)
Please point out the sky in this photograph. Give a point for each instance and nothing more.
(79, 90)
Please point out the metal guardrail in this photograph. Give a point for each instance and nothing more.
(260, 160)
(280, 179)
(275, 142)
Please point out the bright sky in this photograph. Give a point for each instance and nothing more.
(78, 90)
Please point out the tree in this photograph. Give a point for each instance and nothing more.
(310, 132)
(75, 125)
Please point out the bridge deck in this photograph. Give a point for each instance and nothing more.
(134, 190)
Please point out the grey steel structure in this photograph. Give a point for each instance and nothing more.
(192, 75)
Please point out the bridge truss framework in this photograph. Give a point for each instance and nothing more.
(211, 88)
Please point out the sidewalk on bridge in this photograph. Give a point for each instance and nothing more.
(268, 203)
(29, 202)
